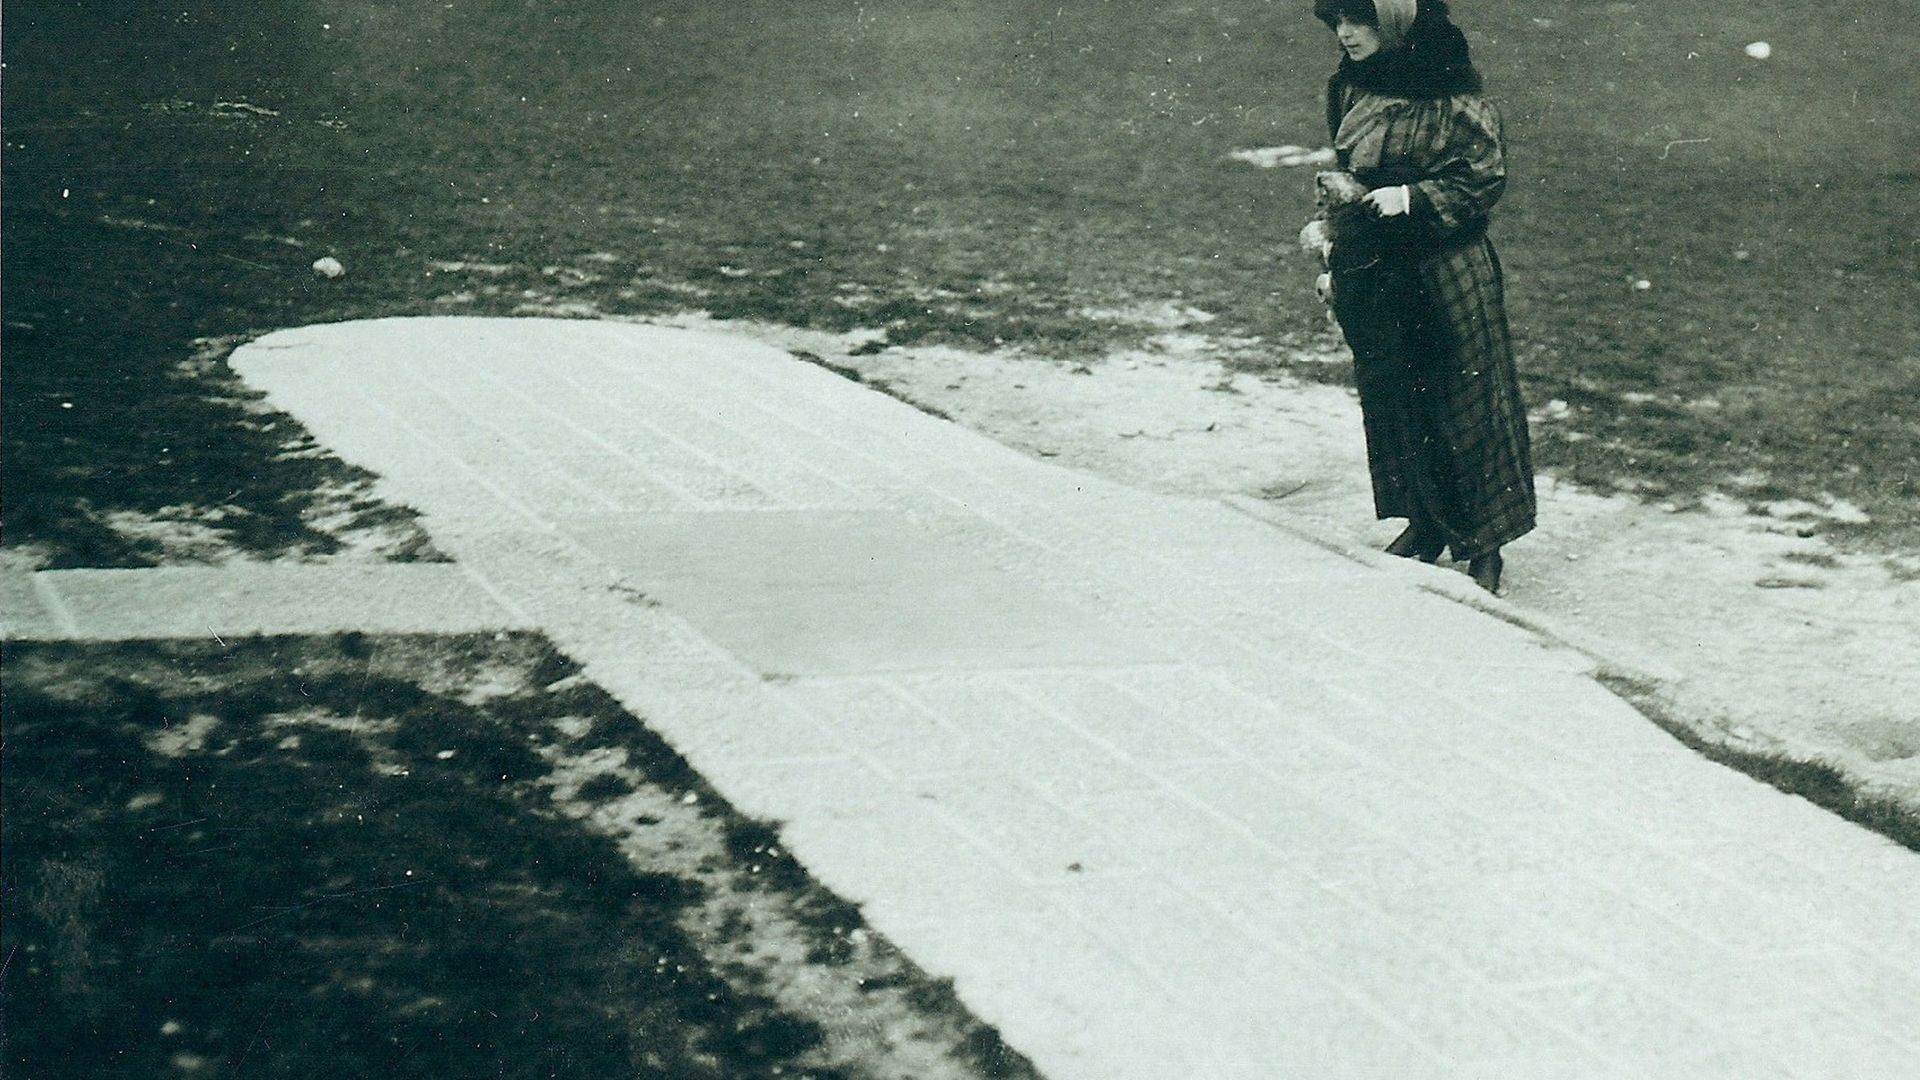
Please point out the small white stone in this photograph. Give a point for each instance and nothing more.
(1642, 285)
(1759, 50)
(328, 267)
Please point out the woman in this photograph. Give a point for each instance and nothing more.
(1417, 287)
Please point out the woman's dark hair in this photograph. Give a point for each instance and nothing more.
(1332, 11)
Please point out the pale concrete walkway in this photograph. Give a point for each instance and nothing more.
(1168, 792)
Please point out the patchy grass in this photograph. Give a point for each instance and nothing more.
(980, 176)
(399, 856)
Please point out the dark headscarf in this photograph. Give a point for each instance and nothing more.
(1430, 61)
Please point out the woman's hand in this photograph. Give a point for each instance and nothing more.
(1390, 201)
(1315, 240)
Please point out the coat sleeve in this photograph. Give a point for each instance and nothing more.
(1470, 170)
(1336, 105)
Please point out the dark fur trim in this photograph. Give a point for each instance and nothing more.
(1432, 63)
(1330, 11)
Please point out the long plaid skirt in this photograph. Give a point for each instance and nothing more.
(1439, 396)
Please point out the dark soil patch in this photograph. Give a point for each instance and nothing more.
(412, 857)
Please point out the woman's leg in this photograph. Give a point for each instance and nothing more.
(1420, 540)
(1474, 425)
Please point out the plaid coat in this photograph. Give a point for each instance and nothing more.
(1422, 304)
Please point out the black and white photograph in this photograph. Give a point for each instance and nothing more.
(960, 540)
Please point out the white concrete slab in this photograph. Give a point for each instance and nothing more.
(254, 599)
(1332, 826)
(813, 592)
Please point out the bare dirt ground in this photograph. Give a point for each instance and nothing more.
(1749, 631)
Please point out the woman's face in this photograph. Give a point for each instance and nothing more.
(1357, 38)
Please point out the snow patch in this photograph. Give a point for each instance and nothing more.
(1285, 157)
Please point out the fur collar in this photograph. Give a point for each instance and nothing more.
(1431, 63)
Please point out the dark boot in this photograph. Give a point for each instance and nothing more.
(1418, 542)
(1485, 570)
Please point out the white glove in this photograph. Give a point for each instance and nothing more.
(1390, 201)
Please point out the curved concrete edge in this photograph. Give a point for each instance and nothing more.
(1845, 783)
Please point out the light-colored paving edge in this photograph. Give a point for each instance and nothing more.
(1230, 866)
(1841, 780)
(248, 599)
